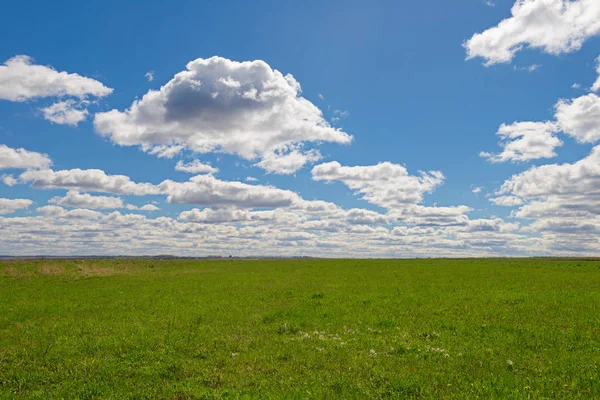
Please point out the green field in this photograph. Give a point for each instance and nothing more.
(187, 329)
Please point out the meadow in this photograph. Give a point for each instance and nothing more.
(300, 329)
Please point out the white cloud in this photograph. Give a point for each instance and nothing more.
(576, 86)
(21, 80)
(251, 179)
(524, 141)
(75, 199)
(225, 231)
(432, 216)
(580, 117)
(149, 207)
(255, 219)
(491, 225)
(557, 207)
(563, 201)
(8, 180)
(163, 151)
(581, 177)
(8, 206)
(196, 167)
(200, 190)
(207, 190)
(358, 216)
(224, 215)
(316, 207)
(489, 3)
(596, 86)
(391, 187)
(293, 236)
(554, 26)
(149, 76)
(65, 113)
(321, 96)
(221, 105)
(530, 68)
(87, 180)
(507, 201)
(385, 184)
(22, 159)
(476, 189)
(51, 211)
(342, 113)
(59, 212)
(281, 162)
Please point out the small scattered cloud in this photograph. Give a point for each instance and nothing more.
(476, 189)
(490, 3)
(149, 208)
(149, 76)
(22, 159)
(163, 151)
(507, 201)
(529, 68)
(195, 167)
(525, 141)
(9, 206)
(321, 96)
(8, 180)
(576, 86)
(288, 161)
(66, 112)
(146, 207)
(251, 179)
(74, 199)
(386, 184)
(580, 117)
(22, 80)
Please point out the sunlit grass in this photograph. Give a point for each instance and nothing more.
(300, 329)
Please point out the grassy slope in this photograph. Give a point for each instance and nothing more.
(300, 329)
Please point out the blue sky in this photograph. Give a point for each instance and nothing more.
(392, 75)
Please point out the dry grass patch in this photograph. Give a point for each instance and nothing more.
(51, 269)
(91, 269)
(10, 271)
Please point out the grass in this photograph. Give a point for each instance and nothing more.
(501, 328)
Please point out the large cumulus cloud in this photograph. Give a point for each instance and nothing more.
(242, 108)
